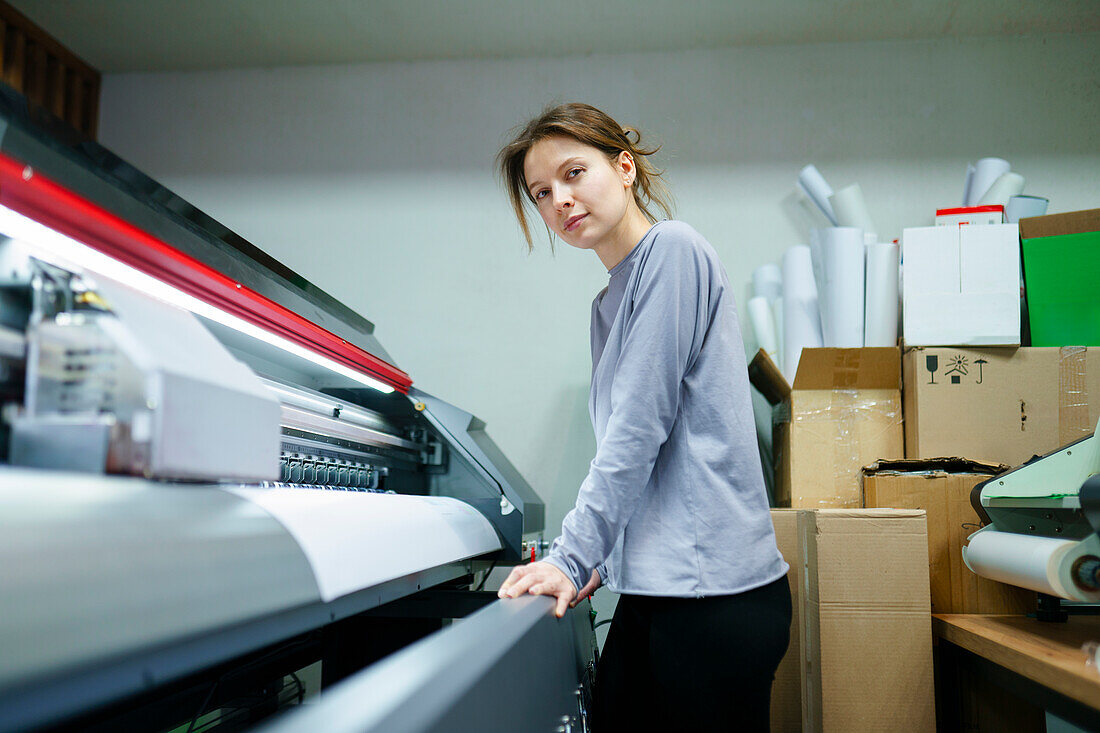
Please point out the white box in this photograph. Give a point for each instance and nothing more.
(961, 285)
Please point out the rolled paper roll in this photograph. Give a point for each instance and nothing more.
(801, 320)
(1009, 185)
(763, 325)
(968, 184)
(851, 209)
(777, 319)
(880, 322)
(1042, 564)
(986, 172)
(1022, 207)
(818, 268)
(842, 263)
(767, 281)
(814, 185)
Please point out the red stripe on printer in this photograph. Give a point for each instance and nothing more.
(51, 204)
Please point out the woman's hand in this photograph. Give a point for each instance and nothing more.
(588, 589)
(540, 579)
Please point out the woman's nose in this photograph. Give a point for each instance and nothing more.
(562, 199)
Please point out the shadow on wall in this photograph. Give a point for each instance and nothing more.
(857, 101)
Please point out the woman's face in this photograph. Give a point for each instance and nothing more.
(581, 195)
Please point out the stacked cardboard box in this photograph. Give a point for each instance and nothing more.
(842, 412)
(941, 487)
(998, 405)
(1061, 255)
(861, 640)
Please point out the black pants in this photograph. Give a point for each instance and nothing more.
(699, 664)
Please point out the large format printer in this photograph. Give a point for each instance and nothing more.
(212, 476)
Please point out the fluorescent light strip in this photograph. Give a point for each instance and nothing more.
(68, 253)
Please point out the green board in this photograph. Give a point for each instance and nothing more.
(1062, 281)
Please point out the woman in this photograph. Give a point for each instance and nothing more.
(673, 514)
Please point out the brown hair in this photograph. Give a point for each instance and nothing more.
(586, 124)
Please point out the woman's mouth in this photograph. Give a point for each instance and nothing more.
(574, 221)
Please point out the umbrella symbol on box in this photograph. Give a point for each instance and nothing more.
(979, 362)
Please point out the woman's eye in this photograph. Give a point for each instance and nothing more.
(540, 194)
(573, 172)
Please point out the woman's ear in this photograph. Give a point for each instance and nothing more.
(625, 164)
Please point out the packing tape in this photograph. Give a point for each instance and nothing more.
(842, 424)
(846, 407)
(1073, 395)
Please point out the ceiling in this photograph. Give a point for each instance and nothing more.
(168, 35)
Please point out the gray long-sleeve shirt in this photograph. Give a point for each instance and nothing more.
(674, 501)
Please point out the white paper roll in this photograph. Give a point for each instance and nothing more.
(801, 320)
(968, 184)
(1024, 560)
(851, 209)
(1021, 207)
(1008, 185)
(841, 297)
(763, 325)
(818, 268)
(986, 172)
(767, 281)
(777, 319)
(880, 322)
(814, 185)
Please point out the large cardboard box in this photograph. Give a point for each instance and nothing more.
(866, 630)
(842, 412)
(961, 285)
(786, 702)
(1061, 255)
(941, 487)
(998, 405)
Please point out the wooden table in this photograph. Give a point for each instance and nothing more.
(1046, 655)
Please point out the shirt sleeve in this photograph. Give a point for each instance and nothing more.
(661, 339)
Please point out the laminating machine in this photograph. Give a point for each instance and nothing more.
(212, 475)
(1042, 526)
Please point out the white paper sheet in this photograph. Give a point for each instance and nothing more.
(763, 325)
(986, 171)
(813, 184)
(801, 319)
(355, 540)
(880, 323)
(842, 262)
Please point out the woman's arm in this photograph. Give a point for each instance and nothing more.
(663, 334)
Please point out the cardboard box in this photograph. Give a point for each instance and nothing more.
(998, 405)
(866, 627)
(1061, 256)
(965, 215)
(786, 701)
(961, 285)
(941, 487)
(842, 413)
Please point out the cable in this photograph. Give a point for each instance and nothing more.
(301, 687)
(202, 708)
(598, 624)
(492, 567)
